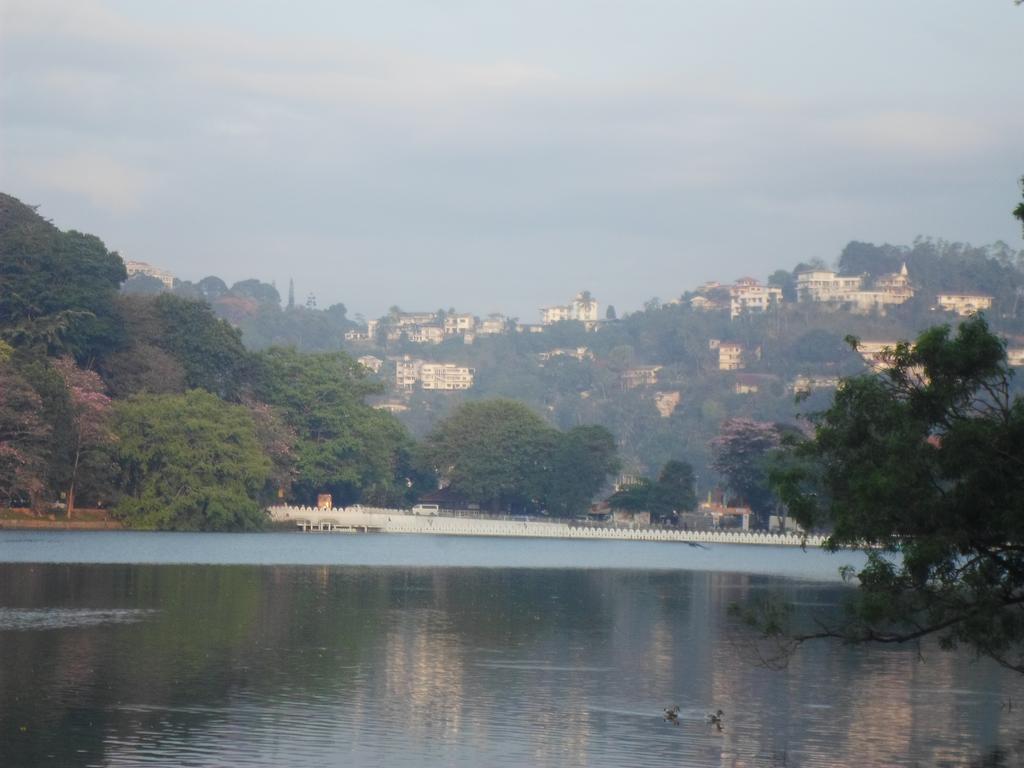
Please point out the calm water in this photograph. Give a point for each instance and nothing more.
(309, 650)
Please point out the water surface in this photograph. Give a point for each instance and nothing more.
(153, 649)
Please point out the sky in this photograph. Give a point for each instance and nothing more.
(501, 156)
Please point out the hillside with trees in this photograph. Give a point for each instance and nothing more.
(89, 355)
(119, 394)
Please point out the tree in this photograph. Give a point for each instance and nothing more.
(143, 285)
(189, 462)
(90, 415)
(343, 446)
(780, 278)
(674, 491)
(1018, 212)
(741, 449)
(584, 458)
(210, 350)
(609, 313)
(635, 497)
(50, 278)
(498, 453)
(922, 467)
(24, 434)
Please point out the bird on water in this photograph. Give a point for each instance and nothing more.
(672, 715)
(715, 719)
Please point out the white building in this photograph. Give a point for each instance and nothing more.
(425, 334)
(556, 314)
(142, 268)
(747, 295)
(404, 319)
(964, 303)
(446, 376)
(407, 373)
(730, 356)
(825, 286)
(455, 324)
(492, 325)
(583, 308)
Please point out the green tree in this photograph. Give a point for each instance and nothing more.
(742, 449)
(584, 458)
(922, 467)
(498, 453)
(635, 497)
(343, 446)
(189, 462)
(674, 491)
(54, 279)
(209, 350)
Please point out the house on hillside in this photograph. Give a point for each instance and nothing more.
(825, 286)
(730, 356)
(748, 296)
(963, 304)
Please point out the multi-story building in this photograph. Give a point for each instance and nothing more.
(748, 295)
(425, 334)
(455, 324)
(583, 308)
(964, 303)
(825, 286)
(730, 356)
(1015, 356)
(555, 314)
(407, 373)
(134, 268)
(414, 318)
(446, 376)
(491, 325)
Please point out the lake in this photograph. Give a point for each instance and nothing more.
(132, 649)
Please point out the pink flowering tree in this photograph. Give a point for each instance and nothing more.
(90, 416)
(23, 437)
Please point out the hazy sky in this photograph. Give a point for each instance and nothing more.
(497, 156)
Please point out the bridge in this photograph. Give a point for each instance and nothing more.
(382, 520)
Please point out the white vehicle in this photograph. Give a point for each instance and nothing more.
(426, 509)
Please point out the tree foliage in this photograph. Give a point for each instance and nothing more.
(189, 462)
(343, 446)
(89, 412)
(742, 450)
(24, 435)
(501, 454)
(56, 288)
(923, 466)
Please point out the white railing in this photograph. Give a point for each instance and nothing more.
(403, 521)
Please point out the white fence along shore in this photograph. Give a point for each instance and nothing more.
(366, 519)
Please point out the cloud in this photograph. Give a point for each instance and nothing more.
(103, 181)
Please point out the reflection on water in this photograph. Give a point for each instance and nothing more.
(124, 665)
(58, 618)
